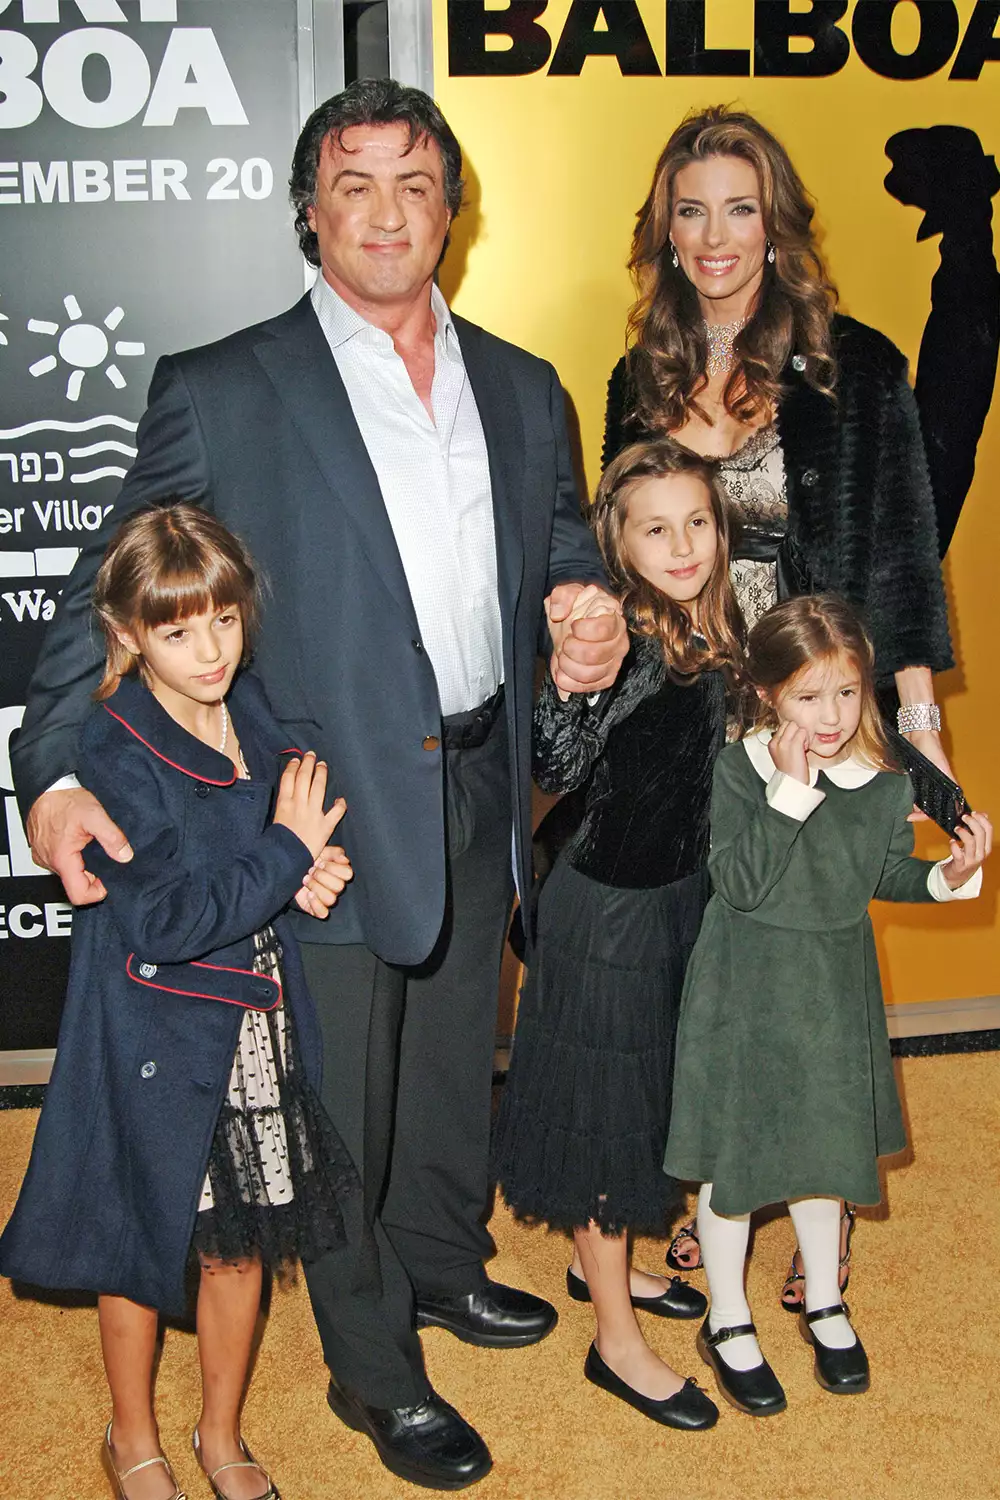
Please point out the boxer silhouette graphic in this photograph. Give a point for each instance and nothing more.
(945, 171)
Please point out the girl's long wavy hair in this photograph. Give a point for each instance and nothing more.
(165, 564)
(799, 633)
(791, 315)
(647, 610)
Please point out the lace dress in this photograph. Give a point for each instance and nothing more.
(277, 1169)
(754, 480)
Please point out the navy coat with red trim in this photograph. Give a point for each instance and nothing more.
(160, 977)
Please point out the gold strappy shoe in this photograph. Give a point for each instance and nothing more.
(118, 1479)
(247, 1463)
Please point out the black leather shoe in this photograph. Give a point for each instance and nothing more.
(678, 1300)
(758, 1391)
(689, 1409)
(843, 1372)
(428, 1444)
(494, 1316)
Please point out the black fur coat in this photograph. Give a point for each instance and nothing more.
(860, 509)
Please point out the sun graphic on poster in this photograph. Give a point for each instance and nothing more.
(84, 347)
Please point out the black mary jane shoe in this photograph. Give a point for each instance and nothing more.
(494, 1316)
(842, 1372)
(758, 1391)
(678, 1300)
(429, 1444)
(689, 1409)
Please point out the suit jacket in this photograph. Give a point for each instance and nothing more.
(259, 428)
(861, 515)
(160, 978)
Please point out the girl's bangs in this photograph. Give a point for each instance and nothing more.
(178, 595)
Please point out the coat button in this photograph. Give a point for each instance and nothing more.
(148, 1070)
(201, 790)
(431, 742)
(418, 648)
(147, 970)
(810, 478)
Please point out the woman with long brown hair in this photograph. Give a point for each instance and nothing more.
(737, 351)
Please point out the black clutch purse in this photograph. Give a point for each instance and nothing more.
(933, 792)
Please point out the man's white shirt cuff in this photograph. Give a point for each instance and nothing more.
(64, 784)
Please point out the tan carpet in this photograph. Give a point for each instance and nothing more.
(925, 1299)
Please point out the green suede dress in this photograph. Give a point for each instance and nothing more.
(783, 1083)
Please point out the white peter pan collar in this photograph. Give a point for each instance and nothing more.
(849, 774)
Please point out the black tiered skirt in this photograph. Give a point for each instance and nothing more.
(584, 1115)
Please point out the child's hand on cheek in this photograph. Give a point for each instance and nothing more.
(788, 746)
(970, 847)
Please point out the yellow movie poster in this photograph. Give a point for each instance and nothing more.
(890, 110)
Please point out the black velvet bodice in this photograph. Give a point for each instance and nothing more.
(645, 752)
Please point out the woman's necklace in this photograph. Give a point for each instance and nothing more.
(720, 338)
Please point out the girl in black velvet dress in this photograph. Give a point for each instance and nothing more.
(585, 1112)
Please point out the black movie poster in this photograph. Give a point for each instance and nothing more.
(144, 149)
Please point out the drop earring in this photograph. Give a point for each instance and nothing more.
(674, 256)
(770, 253)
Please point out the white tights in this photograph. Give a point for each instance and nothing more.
(724, 1242)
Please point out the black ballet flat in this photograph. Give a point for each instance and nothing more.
(842, 1372)
(689, 1409)
(678, 1300)
(758, 1391)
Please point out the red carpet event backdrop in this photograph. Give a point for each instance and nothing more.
(889, 109)
(144, 153)
(144, 149)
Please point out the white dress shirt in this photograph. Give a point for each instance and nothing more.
(435, 482)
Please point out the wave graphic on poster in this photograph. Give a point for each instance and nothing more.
(82, 476)
(46, 452)
(55, 424)
(111, 471)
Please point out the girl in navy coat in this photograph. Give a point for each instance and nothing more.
(182, 1110)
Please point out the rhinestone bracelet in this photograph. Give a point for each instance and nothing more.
(915, 716)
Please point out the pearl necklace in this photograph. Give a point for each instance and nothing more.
(225, 727)
(720, 338)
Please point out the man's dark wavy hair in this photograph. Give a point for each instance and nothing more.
(369, 101)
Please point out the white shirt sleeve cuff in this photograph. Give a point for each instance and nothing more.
(64, 784)
(942, 891)
(791, 797)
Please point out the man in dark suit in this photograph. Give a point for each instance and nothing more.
(404, 479)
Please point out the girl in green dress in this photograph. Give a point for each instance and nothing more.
(782, 1033)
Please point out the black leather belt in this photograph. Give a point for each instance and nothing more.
(757, 546)
(469, 730)
(791, 570)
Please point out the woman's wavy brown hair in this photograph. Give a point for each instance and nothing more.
(165, 564)
(799, 633)
(647, 610)
(793, 310)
